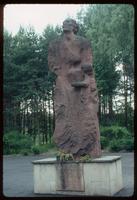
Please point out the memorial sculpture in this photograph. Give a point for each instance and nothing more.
(76, 127)
(75, 95)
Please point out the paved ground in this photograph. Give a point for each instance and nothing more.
(18, 175)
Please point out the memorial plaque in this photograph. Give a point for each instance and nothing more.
(70, 177)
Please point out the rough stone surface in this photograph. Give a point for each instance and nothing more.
(75, 94)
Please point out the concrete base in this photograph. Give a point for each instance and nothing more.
(99, 177)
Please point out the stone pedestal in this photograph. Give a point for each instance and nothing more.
(101, 176)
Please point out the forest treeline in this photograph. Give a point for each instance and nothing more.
(29, 85)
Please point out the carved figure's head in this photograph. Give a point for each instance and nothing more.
(70, 25)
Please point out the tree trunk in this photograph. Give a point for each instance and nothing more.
(49, 118)
(110, 105)
(99, 110)
(46, 122)
(125, 96)
(53, 110)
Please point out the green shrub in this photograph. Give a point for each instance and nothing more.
(49, 146)
(14, 142)
(114, 132)
(115, 145)
(43, 148)
(116, 138)
(36, 150)
(24, 152)
(122, 144)
(128, 144)
(104, 142)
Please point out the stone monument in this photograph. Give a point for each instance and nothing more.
(75, 95)
(76, 126)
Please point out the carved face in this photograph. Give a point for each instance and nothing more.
(70, 25)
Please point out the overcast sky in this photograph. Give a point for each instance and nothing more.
(37, 15)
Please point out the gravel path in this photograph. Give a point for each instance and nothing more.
(18, 175)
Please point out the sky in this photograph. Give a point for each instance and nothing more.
(37, 15)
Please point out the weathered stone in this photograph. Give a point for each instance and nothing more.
(87, 68)
(75, 95)
(101, 176)
(70, 177)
